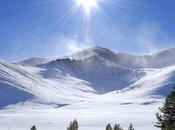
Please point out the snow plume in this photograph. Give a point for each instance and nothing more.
(143, 38)
(151, 37)
(71, 44)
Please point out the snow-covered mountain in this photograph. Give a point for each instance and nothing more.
(95, 79)
(160, 59)
(92, 71)
(102, 75)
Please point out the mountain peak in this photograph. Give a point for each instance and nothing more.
(98, 49)
(92, 51)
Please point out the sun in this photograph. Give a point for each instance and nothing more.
(88, 5)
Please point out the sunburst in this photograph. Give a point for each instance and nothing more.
(87, 5)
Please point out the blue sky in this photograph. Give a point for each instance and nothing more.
(50, 28)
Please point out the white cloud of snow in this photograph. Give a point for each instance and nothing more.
(146, 37)
(69, 45)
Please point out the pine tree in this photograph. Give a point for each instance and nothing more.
(108, 127)
(166, 117)
(73, 125)
(33, 128)
(117, 127)
(131, 127)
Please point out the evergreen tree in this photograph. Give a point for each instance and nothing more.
(33, 128)
(108, 127)
(131, 127)
(73, 125)
(166, 117)
(117, 127)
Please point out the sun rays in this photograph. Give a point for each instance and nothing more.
(88, 5)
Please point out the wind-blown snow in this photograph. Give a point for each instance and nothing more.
(160, 59)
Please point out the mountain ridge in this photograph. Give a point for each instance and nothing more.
(158, 59)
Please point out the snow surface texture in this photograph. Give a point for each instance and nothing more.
(96, 86)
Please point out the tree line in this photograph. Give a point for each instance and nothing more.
(74, 126)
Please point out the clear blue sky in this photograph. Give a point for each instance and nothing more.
(46, 28)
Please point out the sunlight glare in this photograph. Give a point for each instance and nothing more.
(88, 5)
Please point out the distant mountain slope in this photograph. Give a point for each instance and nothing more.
(157, 83)
(103, 75)
(160, 59)
(34, 61)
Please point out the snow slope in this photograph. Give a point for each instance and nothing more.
(22, 79)
(34, 61)
(103, 75)
(96, 86)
